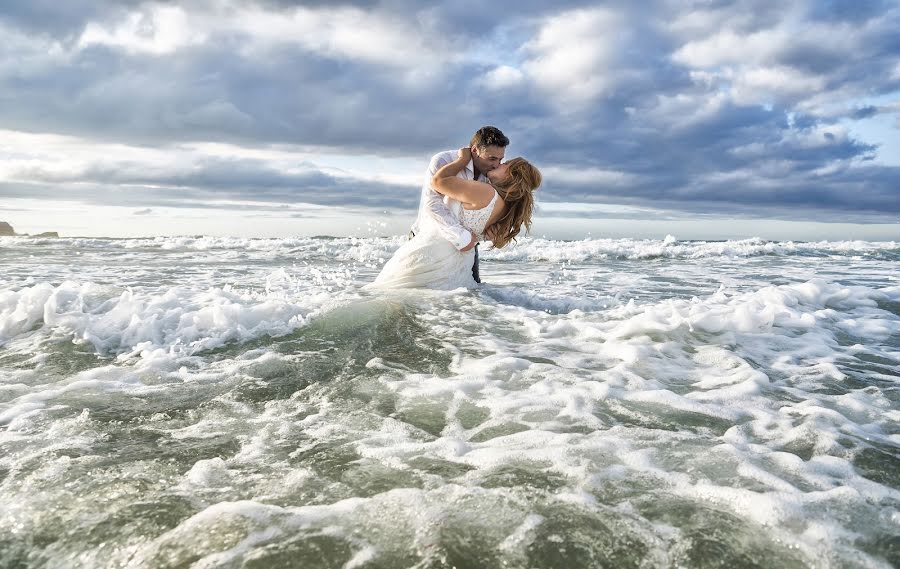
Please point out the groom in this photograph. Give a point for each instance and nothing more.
(488, 146)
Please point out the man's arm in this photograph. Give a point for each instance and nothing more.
(448, 225)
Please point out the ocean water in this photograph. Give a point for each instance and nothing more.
(221, 402)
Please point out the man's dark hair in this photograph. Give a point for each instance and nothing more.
(489, 136)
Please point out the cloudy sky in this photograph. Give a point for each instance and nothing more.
(706, 118)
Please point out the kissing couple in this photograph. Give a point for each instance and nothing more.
(469, 195)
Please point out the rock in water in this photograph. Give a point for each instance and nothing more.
(6, 229)
(47, 234)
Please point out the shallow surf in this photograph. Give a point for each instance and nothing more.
(213, 402)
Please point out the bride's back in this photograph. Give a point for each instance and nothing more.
(477, 220)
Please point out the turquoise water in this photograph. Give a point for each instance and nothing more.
(215, 402)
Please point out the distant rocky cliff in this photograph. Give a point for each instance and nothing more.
(6, 230)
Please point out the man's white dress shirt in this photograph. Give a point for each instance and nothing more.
(440, 213)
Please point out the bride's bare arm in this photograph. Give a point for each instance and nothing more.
(446, 182)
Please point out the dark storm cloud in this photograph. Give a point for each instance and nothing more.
(856, 11)
(61, 20)
(211, 179)
(212, 94)
(677, 139)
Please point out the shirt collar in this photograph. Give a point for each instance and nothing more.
(470, 167)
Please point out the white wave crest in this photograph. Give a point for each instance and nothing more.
(179, 320)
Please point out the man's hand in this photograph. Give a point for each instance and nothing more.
(471, 244)
(465, 153)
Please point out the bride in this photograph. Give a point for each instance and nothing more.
(495, 211)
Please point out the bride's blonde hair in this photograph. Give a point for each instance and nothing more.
(517, 191)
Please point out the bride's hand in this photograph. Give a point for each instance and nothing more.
(465, 153)
(471, 244)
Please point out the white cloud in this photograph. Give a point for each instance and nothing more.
(503, 77)
(24, 55)
(346, 33)
(683, 110)
(698, 21)
(564, 209)
(349, 33)
(776, 63)
(760, 84)
(588, 176)
(157, 29)
(50, 158)
(728, 47)
(574, 55)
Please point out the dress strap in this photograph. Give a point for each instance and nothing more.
(493, 200)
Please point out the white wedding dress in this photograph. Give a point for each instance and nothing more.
(430, 261)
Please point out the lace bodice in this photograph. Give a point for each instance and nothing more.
(476, 219)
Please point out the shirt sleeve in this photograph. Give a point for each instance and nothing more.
(448, 225)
